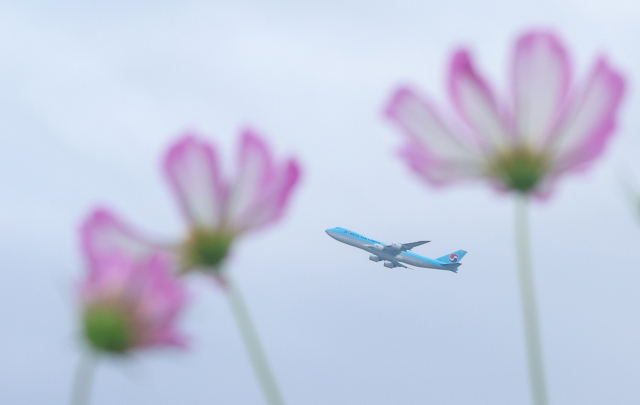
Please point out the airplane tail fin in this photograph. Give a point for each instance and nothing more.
(454, 257)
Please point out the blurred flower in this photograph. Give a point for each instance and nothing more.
(216, 209)
(131, 304)
(545, 129)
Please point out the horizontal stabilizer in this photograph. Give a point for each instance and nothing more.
(451, 266)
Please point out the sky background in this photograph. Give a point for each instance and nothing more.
(92, 93)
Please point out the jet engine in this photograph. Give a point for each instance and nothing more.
(389, 265)
(374, 258)
(396, 246)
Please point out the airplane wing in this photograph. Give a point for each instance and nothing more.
(409, 246)
(396, 248)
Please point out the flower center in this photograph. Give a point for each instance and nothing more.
(107, 329)
(519, 169)
(207, 249)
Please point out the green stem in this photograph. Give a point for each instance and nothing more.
(529, 305)
(254, 347)
(83, 380)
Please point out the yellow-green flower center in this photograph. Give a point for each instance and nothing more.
(519, 169)
(108, 329)
(207, 249)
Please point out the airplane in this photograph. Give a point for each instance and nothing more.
(395, 254)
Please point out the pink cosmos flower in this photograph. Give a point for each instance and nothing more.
(217, 209)
(131, 304)
(524, 142)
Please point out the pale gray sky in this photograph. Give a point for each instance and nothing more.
(91, 94)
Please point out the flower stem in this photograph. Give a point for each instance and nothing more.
(254, 347)
(83, 380)
(529, 305)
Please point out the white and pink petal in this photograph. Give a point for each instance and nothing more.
(432, 150)
(437, 171)
(254, 182)
(273, 202)
(169, 337)
(104, 235)
(194, 174)
(476, 104)
(160, 299)
(541, 82)
(590, 123)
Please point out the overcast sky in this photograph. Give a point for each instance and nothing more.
(91, 95)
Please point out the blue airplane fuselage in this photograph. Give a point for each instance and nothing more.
(376, 248)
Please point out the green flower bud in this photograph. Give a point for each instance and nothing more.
(519, 169)
(206, 249)
(108, 329)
